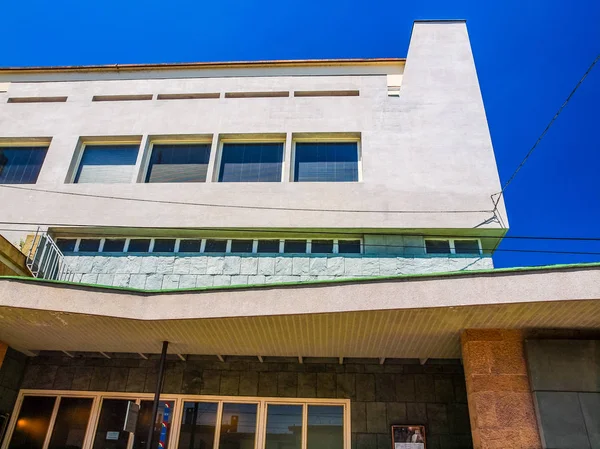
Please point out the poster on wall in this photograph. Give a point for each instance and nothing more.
(408, 437)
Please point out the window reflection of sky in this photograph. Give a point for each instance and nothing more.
(283, 418)
(246, 414)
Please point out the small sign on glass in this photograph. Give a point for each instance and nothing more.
(408, 437)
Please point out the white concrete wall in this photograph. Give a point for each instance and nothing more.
(180, 272)
(427, 150)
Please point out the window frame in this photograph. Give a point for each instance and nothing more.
(327, 139)
(83, 144)
(228, 243)
(28, 143)
(172, 140)
(452, 247)
(227, 140)
(177, 414)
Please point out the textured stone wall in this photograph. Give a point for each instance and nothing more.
(172, 272)
(11, 373)
(500, 402)
(398, 392)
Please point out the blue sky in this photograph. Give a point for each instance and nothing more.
(529, 55)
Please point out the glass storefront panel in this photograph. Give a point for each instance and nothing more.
(325, 427)
(284, 427)
(110, 433)
(162, 425)
(71, 423)
(238, 426)
(198, 425)
(33, 422)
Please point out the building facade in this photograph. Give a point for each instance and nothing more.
(313, 241)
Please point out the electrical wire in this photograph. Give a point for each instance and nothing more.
(511, 250)
(532, 149)
(233, 206)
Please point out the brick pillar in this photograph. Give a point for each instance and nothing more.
(3, 349)
(500, 401)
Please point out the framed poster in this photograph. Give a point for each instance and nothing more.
(408, 437)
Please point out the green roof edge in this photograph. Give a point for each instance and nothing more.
(322, 282)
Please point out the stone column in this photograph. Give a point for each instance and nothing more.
(501, 405)
(3, 349)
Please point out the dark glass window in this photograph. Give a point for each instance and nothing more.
(107, 164)
(113, 246)
(241, 246)
(251, 162)
(91, 245)
(71, 423)
(189, 246)
(139, 246)
(321, 246)
(163, 245)
(66, 245)
(198, 425)
(326, 162)
(178, 163)
(21, 165)
(162, 426)
(110, 433)
(437, 246)
(349, 247)
(215, 246)
(238, 426)
(325, 427)
(466, 246)
(32, 423)
(284, 427)
(268, 246)
(294, 246)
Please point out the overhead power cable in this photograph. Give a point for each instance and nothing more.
(532, 149)
(375, 245)
(241, 206)
(289, 233)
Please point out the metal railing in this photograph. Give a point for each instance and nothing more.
(45, 259)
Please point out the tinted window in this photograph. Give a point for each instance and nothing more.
(238, 426)
(294, 246)
(198, 425)
(91, 245)
(251, 162)
(66, 245)
(164, 245)
(178, 163)
(162, 425)
(326, 162)
(139, 246)
(466, 246)
(71, 423)
(215, 246)
(107, 164)
(21, 165)
(437, 246)
(325, 427)
(32, 423)
(113, 246)
(110, 433)
(189, 246)
(284, 427)
(268, 246)
(321, 246)
(349, 246)
(241, 246)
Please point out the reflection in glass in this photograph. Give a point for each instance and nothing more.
(32, 423)
(109, 433)
(198, 425)
(325, 427)
(162, 426)
(284, 427)
(238, 426)
(71, 422)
